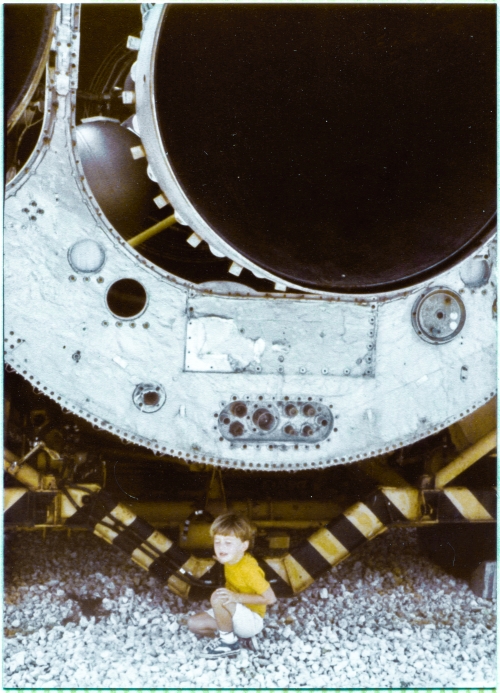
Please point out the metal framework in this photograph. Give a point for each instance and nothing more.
(43, 502)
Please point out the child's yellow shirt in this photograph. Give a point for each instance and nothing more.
(247, 577)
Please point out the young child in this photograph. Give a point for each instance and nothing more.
(238, 609)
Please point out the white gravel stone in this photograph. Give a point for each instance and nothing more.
(384, 618)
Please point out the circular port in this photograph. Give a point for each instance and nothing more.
(307, 431)
(290, 430)
(264, 420)
(438, 316)
(236, 429)
(475, 272)
(126, 298)
(238, 409)
(291, 410)
(86, 256)
(309, 410)
(149, 397)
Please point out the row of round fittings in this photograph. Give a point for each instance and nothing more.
(237, 428)
(240, 410)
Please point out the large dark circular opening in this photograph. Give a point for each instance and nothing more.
(340, 147)
(126, 298)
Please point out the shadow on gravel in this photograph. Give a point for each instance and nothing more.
(84, 607)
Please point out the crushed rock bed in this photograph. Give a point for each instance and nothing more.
(79, 613)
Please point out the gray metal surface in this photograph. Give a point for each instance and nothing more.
(53, 313)
(254, 336)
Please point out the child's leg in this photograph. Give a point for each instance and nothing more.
(223, 614)
(202, 624)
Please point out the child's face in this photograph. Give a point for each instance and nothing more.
(229, 549)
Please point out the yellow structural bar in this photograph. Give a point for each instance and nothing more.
(276, 514)
(467, 504)
(11, 496)
(21, 471)
(152, 231)
(466, 459)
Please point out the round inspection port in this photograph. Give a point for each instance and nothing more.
(264, 420)
(291, 410)
(438, 316)
(307, 431)
(308, 410)
(126, 298)
(86, 256)
(475, 272)
(236, 429)
(238, 409)
(149, 397)
(290, 430)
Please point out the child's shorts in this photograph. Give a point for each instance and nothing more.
(246, 623)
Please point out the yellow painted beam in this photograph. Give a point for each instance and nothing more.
(407, 501)
(21, 471)
(328, 546)
(467, 504)
(11, 496)
(466, 459)
(364, 520)
(152, 231)
(298, 577)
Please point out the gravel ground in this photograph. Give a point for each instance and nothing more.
(79, 614)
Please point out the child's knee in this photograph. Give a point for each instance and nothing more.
(214, 599)
(193, 624)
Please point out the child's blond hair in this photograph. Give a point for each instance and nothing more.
(233, 524)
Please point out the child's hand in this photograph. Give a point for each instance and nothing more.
(224, 596)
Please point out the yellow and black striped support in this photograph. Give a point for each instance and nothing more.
(461, 504)
(15, 504)
(366, 520)
(147, 547)
(88, 506)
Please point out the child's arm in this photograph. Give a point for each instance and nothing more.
(225, 596)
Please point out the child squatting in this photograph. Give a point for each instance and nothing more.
(238, 609)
